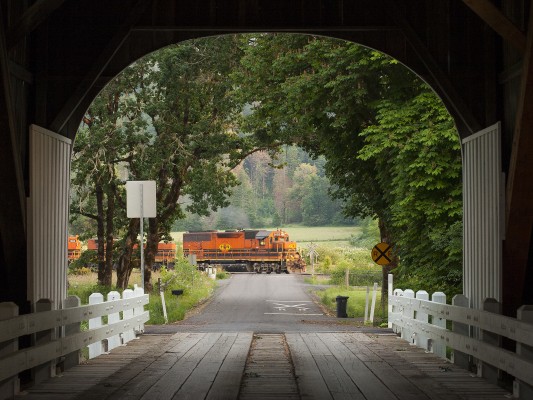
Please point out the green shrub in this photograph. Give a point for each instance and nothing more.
(357, 277)
(223, 275)
(196, 287)
(83, 291)
(88, 260)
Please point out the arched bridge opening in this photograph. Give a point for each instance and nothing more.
(57, 56)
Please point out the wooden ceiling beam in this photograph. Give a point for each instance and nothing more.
(30, 20)
(465, 120)
(12, 193)
(489, 13)
(79, 95)
(519, 190)
(10, 160)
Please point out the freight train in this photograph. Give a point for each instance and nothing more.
(244, 250)
(165, 256)
(74, 248)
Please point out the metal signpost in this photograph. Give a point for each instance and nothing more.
(313, 255)
(141, 203)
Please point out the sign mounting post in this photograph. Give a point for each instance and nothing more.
(141, 203)
(313, 256)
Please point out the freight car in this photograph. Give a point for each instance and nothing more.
(244, 250)
(166, 253)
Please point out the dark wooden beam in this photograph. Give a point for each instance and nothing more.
(462, 113)
(247, 29)
(499, 22)
(30, 20)
(519, 204)
(13, 285)
(79, 95)
(20, 72)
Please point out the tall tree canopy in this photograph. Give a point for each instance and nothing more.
(187, 115)
(391, 147)
(181, 135)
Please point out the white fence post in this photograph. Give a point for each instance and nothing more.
(459, 358)
(487, 371)
(407, 329)
(373, 304)
(396, 312)
(137, 292)
(421, 339)
(113, 341)
(11, 386)
(72, 359)
(438, 347)
(390, 281)
(47, 370)
(95, 349)
(521, 390)
(365, 319)
(128, 334)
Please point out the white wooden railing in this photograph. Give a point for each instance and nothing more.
(56, 337)
(475, 337)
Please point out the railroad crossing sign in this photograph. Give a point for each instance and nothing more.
(382, 253)
(224, 247)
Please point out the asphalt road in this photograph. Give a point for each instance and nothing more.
(261, 303)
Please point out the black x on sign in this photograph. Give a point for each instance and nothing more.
(382, 253)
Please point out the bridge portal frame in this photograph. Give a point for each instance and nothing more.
(55, 56)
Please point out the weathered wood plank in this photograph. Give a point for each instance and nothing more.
(369, 385)
(228, 379)
(454, 380)
(191, 351)
(192, 365)
(268, 372)
(310, 381)
(339, 383)
(199, 382)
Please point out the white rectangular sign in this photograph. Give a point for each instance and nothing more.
(133, 199)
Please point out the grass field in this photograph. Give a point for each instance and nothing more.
(337, 235)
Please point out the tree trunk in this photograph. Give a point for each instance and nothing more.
(100, 232)
(125, 266)
(108, 273)
(152, 241)
(386, 269)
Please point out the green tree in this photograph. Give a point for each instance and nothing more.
(391, 148)
(97, 157)
(425, 184)
(181, 135)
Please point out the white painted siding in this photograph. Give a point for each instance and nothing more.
(482, 216)
(48, 216)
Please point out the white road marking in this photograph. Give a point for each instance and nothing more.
(282, 313)
(289, 301)
(282, 306)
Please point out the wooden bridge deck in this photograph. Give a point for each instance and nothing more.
(347, 365)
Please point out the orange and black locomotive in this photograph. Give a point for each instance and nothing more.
(245, 250)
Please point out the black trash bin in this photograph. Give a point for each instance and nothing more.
(342, 302)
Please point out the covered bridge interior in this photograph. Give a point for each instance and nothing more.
(56, 55)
